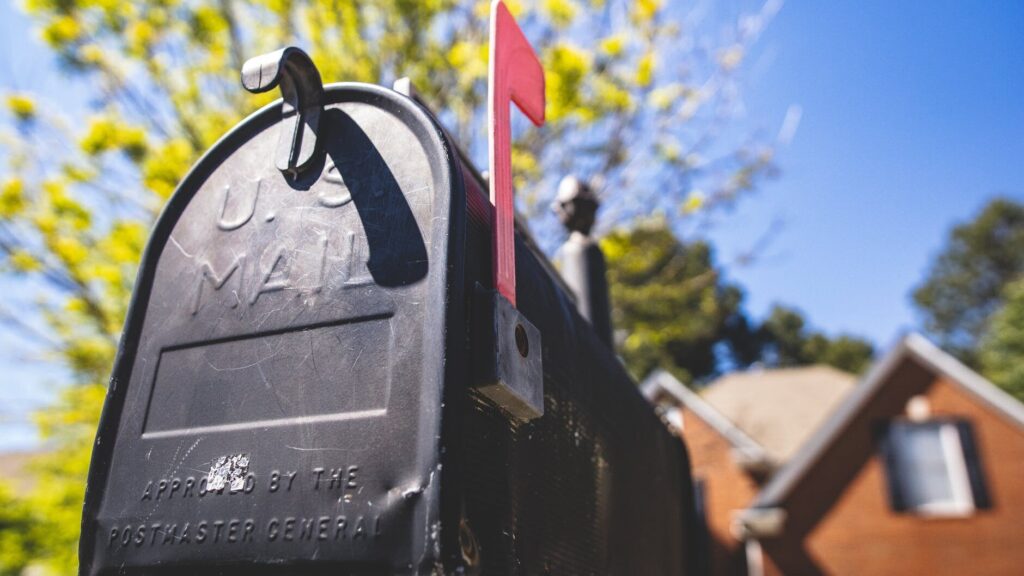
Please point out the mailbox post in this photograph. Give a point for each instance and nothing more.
(302, 385)
(581, 260)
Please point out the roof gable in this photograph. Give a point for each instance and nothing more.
(913, 347)
(747, 447)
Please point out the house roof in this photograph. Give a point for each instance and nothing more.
(780, 409)
(914, 347)
(663, 381)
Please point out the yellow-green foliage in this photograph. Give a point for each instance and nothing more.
(1001, 352)
(79, 193)
(677, 313)
(41, 527)
(22, 106)
(12, 198)
(668, 300)
(18, 546)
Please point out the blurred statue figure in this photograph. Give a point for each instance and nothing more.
(580, 258)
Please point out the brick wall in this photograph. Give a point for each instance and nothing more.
(727, 488)
(840, 521)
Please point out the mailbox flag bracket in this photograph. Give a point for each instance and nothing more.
(303, 93)
(509, 372)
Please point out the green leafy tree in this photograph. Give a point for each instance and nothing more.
(965, 284)
(1001, 352)
(672, 309)
(41, 528)
(635, 95)
(784, 333)
(670, 306)
(849, 353)
(17, 547)
(787, 341)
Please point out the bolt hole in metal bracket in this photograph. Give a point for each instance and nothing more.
(507, 356)
(302, 91)
(510, 372)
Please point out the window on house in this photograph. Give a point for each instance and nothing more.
(933, 468)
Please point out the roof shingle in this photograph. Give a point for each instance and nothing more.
(779, 408)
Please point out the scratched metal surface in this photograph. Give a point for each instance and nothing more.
(277, 398)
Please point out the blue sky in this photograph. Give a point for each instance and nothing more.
(912, 117)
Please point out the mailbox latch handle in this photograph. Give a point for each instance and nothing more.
(303, 93)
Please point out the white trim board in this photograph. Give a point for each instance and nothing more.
(743, 443)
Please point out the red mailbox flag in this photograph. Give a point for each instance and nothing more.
(515, 75)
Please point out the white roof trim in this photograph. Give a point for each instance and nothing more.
(921, 350)
(935, 358)
(744, 444)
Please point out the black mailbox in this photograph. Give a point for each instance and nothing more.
(297, 389)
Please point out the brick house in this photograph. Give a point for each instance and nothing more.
(916, 469)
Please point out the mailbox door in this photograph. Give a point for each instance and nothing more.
(277, 397)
